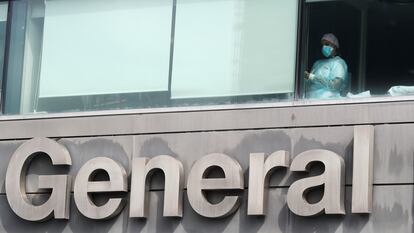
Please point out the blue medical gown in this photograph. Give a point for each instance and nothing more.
(325, 71)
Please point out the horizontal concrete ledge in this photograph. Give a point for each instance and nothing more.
(211, 120)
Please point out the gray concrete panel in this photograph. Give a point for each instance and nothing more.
(393, 149)
(393, 158)
(394, 154)
(393, 211)
(172, 121)
(188, 147)
(9, 222)
(7, 148)
(276, 221)
(117, 148)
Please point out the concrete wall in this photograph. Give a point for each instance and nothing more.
(393, 165)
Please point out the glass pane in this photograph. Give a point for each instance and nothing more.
(3, 26)
(373, 53)
(93, 47)
(234, 48)
(83, 55)
(389, 48)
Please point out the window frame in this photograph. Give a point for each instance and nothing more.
(295, 101)
(6, 58)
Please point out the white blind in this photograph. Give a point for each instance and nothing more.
(3, 11)
(234, 47)
(105, 46)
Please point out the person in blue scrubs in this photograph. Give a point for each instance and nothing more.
(328, 77)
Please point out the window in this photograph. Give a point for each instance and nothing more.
(375, 38)
(247, 47)
(80, 55)
(103, 47)
(83, 55)
(3, 29)
(92, 54)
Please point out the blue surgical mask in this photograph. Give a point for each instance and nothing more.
(327, 50)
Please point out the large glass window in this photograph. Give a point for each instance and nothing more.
(79, 55)
(82, 55)
(92, 54)
(374, 41)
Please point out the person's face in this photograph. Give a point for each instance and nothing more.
(328, 43)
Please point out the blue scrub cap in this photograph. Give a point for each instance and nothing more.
(331, 38)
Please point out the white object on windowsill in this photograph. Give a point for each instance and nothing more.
(359, 95)
(401, 90)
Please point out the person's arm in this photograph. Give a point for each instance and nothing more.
(336, 80)
(309, 74)
(334, 84)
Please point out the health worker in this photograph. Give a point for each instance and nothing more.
(328, 77)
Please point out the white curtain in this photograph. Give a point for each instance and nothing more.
(3, 11)
(105, 46)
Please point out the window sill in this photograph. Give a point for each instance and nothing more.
(285, 104)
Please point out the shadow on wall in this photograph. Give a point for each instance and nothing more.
(10, 222)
